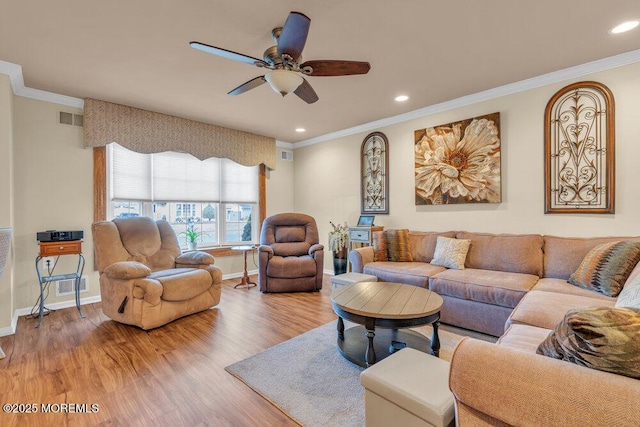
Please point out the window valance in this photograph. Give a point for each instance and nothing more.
(150, 132)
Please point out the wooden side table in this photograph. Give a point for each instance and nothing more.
(69, 247)
(246, 281)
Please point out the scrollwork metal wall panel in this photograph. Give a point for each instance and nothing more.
(374, 174)
(579, 150)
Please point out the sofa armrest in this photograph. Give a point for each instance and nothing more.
(148, 289)
(314, 248)
(266, 249)
(126, 270)
(520, 388)
(359, 257)
(194, 259)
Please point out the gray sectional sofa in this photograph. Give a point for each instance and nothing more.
(515, 287)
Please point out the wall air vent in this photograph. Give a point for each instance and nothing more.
(71, 119)
(67, 287)
(286, 155)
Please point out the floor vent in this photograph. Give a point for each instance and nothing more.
(67, 287)
(71, 119)
(286, 155)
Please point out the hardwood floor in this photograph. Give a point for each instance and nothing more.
(170, 376)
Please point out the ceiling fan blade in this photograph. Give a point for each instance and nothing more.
(306, 92)
(246, 86)
(228, 54)
(336, 68)
(294, 35)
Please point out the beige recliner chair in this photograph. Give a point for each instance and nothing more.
(290, 256)
(145, 280)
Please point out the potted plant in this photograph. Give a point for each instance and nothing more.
(338, 242)
(192, 235)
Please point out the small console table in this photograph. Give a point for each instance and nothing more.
(47, 249)
(361, 236)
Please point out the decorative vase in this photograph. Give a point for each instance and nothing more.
(340, 261)
(192, 246)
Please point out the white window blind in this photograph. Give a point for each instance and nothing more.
(130, 173)
(240, 185)
(171, 176)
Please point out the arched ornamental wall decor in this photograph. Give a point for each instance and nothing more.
(579, 150)
(374, 174)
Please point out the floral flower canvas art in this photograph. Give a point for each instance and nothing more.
(459, 162)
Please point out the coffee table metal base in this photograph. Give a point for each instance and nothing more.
(355, 345)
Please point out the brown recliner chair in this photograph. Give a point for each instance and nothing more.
(145, 280)
(290, 256)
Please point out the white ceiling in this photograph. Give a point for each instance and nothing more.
(136, 52)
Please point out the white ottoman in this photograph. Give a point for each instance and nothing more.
(409, 388)
(349, 278)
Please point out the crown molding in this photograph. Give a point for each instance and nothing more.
(532, 83)
(287, 145)
(14, 71)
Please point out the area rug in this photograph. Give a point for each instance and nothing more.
(308, 379)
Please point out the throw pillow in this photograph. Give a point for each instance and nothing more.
(603, 338)
(629, 296)
(380, 245)
(451, 253)
(606, 267)
(398, 245)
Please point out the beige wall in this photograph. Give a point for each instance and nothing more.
(53, 190)
(6, 195)
(331, 170)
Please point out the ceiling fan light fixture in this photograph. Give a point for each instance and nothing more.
(283, 81)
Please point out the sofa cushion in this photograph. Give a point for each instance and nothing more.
(291, 267)
(563, 255)
(546, 309)
(181, 284)
(423, 244)
(606, 267)
(398, 245)
(563, 287)
(607, 339)
(523, 337)
(380, 245)
(516, 253)
(450, 253)
(411, 273)
(490, 287)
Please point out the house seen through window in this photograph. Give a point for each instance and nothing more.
(214, 201)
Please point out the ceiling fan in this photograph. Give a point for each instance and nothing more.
(285, 71)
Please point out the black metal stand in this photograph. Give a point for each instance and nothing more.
(43, 280)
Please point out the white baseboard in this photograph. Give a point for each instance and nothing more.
(238, 275)
(11, 330)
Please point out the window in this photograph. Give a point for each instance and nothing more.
(190, 194)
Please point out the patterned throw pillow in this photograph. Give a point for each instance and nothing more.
(451, 253)
(380, 244)
(603, 338)
(398, 245)
(606, 267)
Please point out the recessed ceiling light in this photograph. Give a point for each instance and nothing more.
(401, 98)
(624, 27)
(301, 130)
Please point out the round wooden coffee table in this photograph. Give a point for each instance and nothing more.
(390, 306)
